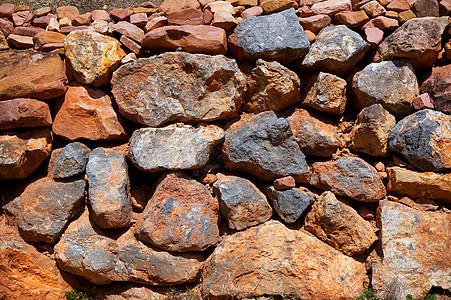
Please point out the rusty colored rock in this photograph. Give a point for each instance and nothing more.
(47, 37)
(438, 86)
(70, 12)
(23, 113)
(3, 42)
(273, 6)
(169, 6)
(383, 23)
(425, 8)
(186, 16)
(19, 41)
(155, 23)
(331, 7)
(121, 14)
(131, 45)
(7, 10)
(84, 19)
(139, 19)
(315, 23)
(284, 183)
(352, 19)
(375, 9)
(27, 31)
(128, 29)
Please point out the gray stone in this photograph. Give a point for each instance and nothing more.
(290, 204)
(109, 188)
(390, 83)
(173, 148)
(241, 202)
(72, 160)
(424, 139)
(336, 49)
(277, 36)
(264, 147)
(178, 86)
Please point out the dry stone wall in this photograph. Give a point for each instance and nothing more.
(244, 148)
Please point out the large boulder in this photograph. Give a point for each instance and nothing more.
(424, 139)
(438, 86)
(265, 148)
(271, 259)
(23, 113)
(277, 36)
(178, 86)
(31, 74)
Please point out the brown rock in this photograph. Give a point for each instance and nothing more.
(445, 7)
(31, 74)
(222, 14)
(399, 5)
(155, 23)
(283, 262)
(187, 16)
(100, 26)
(84, 19)
(383, 23)
(69, 29)
(315, 23)
(406, 16)
(169, 6)
(131, 45)
(22, 18)
(23, 113)
(100, 15)
(422, 101)
(438, 86)
(331, 7)
(425, 8)
(20, 41)
(139, 20)
(22, 153)
(416, 251)
(284, 183)
(305, 11)
(43, 11)
(273, 6)
(352, 19)
(52, 46)
(22, 7)
(70, 12)
(121, 14)
(147, 10)
(247, 2)
(43, 21)
(7, 10)
(147, 4)
(252, 11)
(374, 36)
(47, 37)
(129, 30)
(27, 31)
(6, 26)
(310, 35)
(374, 8)
(391, 14)
(3, 42)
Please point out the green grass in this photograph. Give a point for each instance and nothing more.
(77, 295)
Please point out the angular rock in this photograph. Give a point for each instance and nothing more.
(100, 14)
(348, 176)
(422, 101)
(131, 45)
(92, 56)
(139, 20)
(22, 18)
(27, 31)
(43, 21)
(87, 251)
(47, 37)
(241, 202)
(438, 86)
(424, 139)
(290, 204)
(22, 153)
(69, 29)
(352, 19)
(84, 19)
(70, 12)
(190, 38)
(425, 8)
(173, 148)
(155, 23)
(339, 225)
(109, 188)
(374, 36)
(72, 160)
(100, 26)
(181, 216)
(371, 130)
(24, 113)
(3, 42)
(86, 112)
(7, 10)
(271, 259)
(315, 135)
(415, 246)
(284, 183)
(418, 40)
(20, 41)
(265, 148)
(390, 83)
(315, 23)
(278, 36)
(398, 5)
(129, 30)
(337, 49)
(186, 16)
(383, 23)
(375, 9)
(169, 6)
(222, 14)
(331, 7)
(121, 14)
(45, 207)
(271, 86)
(251, 12)
(273, 6)
(178, 87)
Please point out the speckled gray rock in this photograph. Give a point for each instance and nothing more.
(241, 202)
(277, 36)
(424, 139)
(264, 147)
(87, 251)
(178, 86)
(109, 188)
(336, 49)
(45, 207)
(348, 176)
(390, 83)
(371, 130)
(173, 147)
(72, 160)
(290, 204)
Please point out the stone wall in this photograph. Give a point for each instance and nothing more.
(288, 149)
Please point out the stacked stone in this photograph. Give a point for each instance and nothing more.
(281, 143)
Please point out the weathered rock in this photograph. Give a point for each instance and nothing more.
(339, 225)
(69, 29)
(139, 19)
(271, 259)
(131, 45)
(251, 12)
(3, 42)
(64, 22)
(186, 16)
(84, 19)
(337, 49)
(92, 56)
(331, 7)
(129, 30)
(438, 86)
(109, 188)
(72, 160)
(29, 74)
(241, 202)
(418, 40)
(315, 135)
(348, 176)
(371, 130)
(265, 148)
(178, 87)
(383, 23)
(222, 14)
(100, 14)
(290, 204)
(6, 10)
(45, 207)
(126, 291)
(374, 36)
(47, 37)
(22, 18)
(22, 153)
(70, 12)
(23, 113)
(278, 36)
(271, 86)
(375, 9)
(415, 246)
(315, 23)
(155, 23)
(43, 21)
(422, 101)
(20, 41)
(86, 251)
(181, 216)
(425, 8)
(424, 139)
(352, 19)
(390, 83)
(284, 183)
(27, 31)
(325, 92)
(169, 6)
(86, 112)
(173, 148)
(121, 14)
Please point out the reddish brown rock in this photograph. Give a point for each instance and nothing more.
(352, 19)
(69, 29)
(52, 46)
(43, 11)
(398, 5)
(7, 10)
(383, 23)
(374, 8)
(19, 41)
(121, 14)
(222, 14)
(438, 86)
(187, 16)
(31, 74)
(252, 11)
(273, 6)
(181, 216)
(3, 42)
(169, 6)
(154, 23)
(284, 262)
(23, 113)
(22, 18)
(339, 225)
(406, 16)
(331, 7)
(100, 15)
(139, 19)
(47, 37)
(6, 26)
(315, 23)
(422, 101)
(43, 21)
(284, 183)
(84, 19)
(70, 12)
(129, 30)
(132, 45)
(374, 36)
(27, 31)
(445, 7)
(87, 113)
(425, 8)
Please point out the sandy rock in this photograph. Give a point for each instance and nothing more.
(53, 25)
(398, 5)
(222, 14)
(64, 22)
(352, 19)
(3, 42)
(100, 15)
(438, 86)
(406, 16)
(121, 14)
(72, 160)
(186, 16)
(129, 30)
(70, 12)
(47, 37)
(178, 87)
(128, 58)
(155, 23)
(23, 113)
(374, 8)
(100, 26)
(169, 6)
(19, 41)
(127, 291)
(69, 29)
